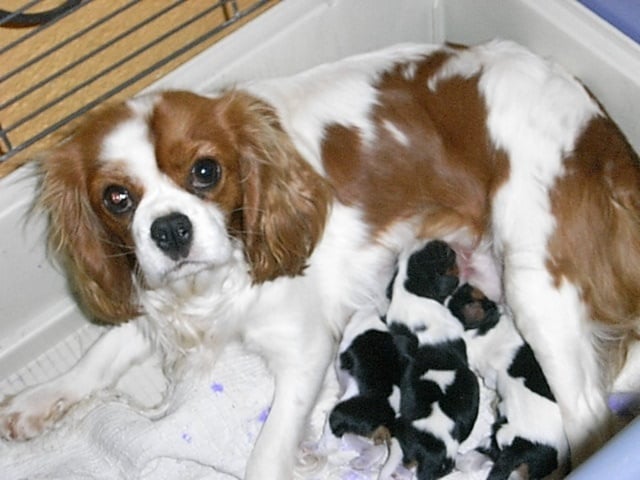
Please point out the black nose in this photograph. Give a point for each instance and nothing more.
(172, 234)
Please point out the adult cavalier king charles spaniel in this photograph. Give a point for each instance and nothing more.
(272, 211)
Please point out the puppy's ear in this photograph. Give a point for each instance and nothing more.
(285, 202)
(99, 272)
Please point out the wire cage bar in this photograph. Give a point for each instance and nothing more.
(60, 59)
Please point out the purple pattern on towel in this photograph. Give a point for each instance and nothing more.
(217, 387)
(264, 414)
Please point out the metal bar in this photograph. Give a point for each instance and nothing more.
(67, 40)
(18, 11)
(36, 86)
(22, 19)
(6, 143)
(41, 28)
(108, 70)
(234, 6)
(134, 79)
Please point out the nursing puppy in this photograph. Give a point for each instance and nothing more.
(412, 384)
(528, 434)
(439, 394)
(268, 213)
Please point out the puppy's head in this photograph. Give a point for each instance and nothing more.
(474, 310)
(432, 271)
(162, 187)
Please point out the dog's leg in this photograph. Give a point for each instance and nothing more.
(554, 321)
(299, 375)
(28, 413)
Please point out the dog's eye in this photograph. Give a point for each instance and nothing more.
(205, 173)
(117, 199)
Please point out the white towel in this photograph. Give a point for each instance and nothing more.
(205, 430)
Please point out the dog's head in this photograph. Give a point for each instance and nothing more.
(162, 187)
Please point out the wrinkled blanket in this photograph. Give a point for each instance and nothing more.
(205, 429)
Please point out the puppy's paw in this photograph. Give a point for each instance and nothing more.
(381, 435)
(32, 411)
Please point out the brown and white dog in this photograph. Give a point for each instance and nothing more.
(270, 213)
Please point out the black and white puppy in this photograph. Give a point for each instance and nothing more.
(439, 393)
(369, 373)
(528, 436)
(409, 382)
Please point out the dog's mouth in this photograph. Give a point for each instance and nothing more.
(186, 268)
(212, 261)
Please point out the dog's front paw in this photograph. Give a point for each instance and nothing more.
(30, 412)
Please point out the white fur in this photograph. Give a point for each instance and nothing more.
(441, 426)
(443, 378)
(535, 418)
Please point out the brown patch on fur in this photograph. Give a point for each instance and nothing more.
(276, 203)
(522, 471)
(187, 127)
(446, 174)
(596, 244)
(477, 294)
(96, 250)
(381, 435)
(599, 198)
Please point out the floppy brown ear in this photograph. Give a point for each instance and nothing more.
(285, 200)
(99, 272)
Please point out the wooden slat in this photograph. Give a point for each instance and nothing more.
(92, 65)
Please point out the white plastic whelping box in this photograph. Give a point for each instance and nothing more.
(41, 331)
